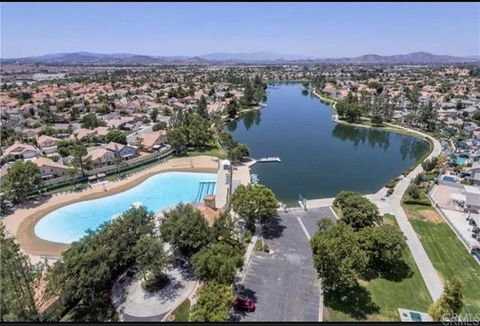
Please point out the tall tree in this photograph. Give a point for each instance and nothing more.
(219, 263)
(337, 256)
(18, 278)
(79, 153)
(232, 108)
(185, 228)
(255, 203)
(151, 257)
(154, 115)
(177, 138)
(199, 131)
(202, 107)
(22, 178)
(383, 245)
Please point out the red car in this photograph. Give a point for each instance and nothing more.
(243, 304)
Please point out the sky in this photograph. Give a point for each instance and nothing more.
(311, 29)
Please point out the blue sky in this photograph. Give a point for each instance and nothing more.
(314, 29)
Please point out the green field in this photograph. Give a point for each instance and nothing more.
(450, 258)
(380, 297)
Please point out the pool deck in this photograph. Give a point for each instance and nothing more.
(241, 175)
(21, 223)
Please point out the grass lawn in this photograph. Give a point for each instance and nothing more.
(380, 297)
(449, 256)
(217, 152)
(182, 312)
(259, 246)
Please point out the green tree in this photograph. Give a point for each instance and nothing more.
(162, 125)
(450, 303)
(248, 93)
(413, 191)
(86, 271)
(63, 148)
(202, 107)
(185, 228)
(383, 245)
(238, 152)
(219, 263)
(213, 303)
(116, 136)
(337, 256)
(223, 228)
(199, 131)
(154, 115)
(90, 121)
(254, 203)
(79, 151)
(357, 211)
(22, 178)
(151, 257)
(232, 108)
(429, 165)
(177, 138)
(18, 280)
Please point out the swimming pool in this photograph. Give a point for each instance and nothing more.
(460, 160)
(69, 223)
(449, 178)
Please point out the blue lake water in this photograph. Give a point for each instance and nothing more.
(319, 157)
(69, 223)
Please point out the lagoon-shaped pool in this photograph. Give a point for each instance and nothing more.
(69, 223)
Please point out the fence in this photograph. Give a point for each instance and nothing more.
(110, 169)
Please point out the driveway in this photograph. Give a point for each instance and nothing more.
(284, 285)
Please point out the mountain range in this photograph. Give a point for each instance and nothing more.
(88, 58)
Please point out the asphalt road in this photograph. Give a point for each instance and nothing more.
(284, 285)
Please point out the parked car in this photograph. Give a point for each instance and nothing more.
(242, 303)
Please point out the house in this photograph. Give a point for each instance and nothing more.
(49, 168)
(82, 133)
(101, 131)
(47, 144)
(152, 141)
(23, 151)
(126, 152)
(100, 157)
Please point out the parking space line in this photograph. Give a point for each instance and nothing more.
(303, 228)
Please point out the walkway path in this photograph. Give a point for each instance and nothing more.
(135, 304)
(429, 274)
(392, 205)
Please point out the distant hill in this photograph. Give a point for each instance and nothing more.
(88, 58)
(252, 57)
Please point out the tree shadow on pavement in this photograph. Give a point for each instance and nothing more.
(272, 229)
(355, 302)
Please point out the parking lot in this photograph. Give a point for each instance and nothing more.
(283, 284)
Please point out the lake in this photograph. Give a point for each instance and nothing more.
(319, 157)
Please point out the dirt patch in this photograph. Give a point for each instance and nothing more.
(431, 216)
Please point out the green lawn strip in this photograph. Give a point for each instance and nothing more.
(450, 258)
(216, 152)
(182, 312)
(382, 296)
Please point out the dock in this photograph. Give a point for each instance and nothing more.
(269, 159)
